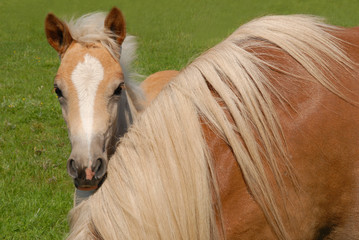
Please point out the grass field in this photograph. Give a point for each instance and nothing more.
(35, 190)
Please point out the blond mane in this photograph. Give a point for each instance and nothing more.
(161, 180)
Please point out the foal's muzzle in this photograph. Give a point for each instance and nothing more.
(87, 177)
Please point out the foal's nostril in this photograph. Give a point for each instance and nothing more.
(99, 168)
(71, 168)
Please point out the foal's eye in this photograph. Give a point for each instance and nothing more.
(118, 90)
(58, 92)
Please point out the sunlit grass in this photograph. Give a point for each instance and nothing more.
(35, 191)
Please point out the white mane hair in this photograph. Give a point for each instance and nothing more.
(90, 28)
(161, 182)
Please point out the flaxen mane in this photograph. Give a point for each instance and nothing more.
(160, 181)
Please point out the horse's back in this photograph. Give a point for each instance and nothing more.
(321, 132)
(322, 136)
(155, 82)
(343, 147)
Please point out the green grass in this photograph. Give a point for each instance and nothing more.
(35, 191)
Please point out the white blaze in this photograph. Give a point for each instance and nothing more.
(86, 78)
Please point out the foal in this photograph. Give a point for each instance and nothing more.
(93, 84)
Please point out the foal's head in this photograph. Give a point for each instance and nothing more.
(90, 86)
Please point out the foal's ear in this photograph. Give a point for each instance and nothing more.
(57, 33)
(115, 22)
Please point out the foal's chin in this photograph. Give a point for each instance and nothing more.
(88, 185)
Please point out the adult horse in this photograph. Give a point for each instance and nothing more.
(93, 84)
(255, 139)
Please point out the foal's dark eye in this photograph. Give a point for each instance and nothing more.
(58, 91)
(118, 90)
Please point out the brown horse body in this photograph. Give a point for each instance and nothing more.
(321, 131)
(325, 161)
